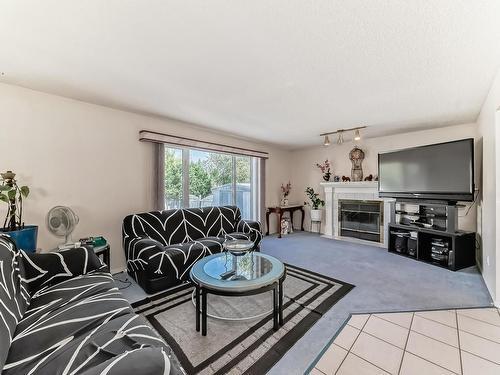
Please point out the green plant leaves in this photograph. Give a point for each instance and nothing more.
(12, 194)
(5, 188)
(24, 191)
(4, 198)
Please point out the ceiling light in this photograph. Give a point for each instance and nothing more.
(340, 135)
(357, 136)
(340, 139)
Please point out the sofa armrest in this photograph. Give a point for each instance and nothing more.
(252, 228)
(138, 250)
(46, 269)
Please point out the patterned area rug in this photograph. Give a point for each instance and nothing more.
(241, 347)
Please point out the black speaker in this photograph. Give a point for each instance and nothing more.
(412, 247)
(401, 244)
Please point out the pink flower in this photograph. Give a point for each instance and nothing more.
(285, 189)
(324, 167)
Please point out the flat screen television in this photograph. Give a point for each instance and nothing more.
(443, 171)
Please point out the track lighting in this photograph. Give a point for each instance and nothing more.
(327, 141)
(357, 136)
(340, 137)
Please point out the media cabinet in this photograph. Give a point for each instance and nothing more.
(426, 231)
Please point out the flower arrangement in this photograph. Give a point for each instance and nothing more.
(285, 189)
(325, 168)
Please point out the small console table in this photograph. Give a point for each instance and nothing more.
(280, 210)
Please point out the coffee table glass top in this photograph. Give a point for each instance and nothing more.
(228, 272)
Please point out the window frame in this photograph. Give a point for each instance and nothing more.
(255, 194)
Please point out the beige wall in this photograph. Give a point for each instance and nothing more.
(89, 157)
(304, 173)
(489, 219)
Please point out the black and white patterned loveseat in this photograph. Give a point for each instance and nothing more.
(60, 313)
(162, 246)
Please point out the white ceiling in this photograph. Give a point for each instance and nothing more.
(277, 71)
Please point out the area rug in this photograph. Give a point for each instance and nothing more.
(241, 347)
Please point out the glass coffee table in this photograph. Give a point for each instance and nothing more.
(228, 275)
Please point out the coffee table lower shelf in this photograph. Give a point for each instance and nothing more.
(201, 293)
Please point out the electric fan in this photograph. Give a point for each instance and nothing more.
(61, 222)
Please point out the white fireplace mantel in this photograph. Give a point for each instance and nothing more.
(363, 190)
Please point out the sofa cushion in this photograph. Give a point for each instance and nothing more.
(106, 344)
(61, 314)
(14, 296)
(71, 290)
(181, 257)
(145, 361)
(46, 269)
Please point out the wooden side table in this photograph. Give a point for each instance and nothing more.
(103, 253)
(280, 210)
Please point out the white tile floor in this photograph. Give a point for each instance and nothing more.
(415, 343)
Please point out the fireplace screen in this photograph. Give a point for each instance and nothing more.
(361, 219)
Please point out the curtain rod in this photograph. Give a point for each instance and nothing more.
(157, 137)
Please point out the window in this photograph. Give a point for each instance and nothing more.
(195, 178)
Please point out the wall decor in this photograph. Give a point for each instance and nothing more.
(356, 156)
(325, 168)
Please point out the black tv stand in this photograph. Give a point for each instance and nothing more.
(426, 231)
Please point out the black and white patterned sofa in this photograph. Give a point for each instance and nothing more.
(61, 314)
(162, 246)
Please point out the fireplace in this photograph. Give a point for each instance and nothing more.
(357, 226)
(361, 219)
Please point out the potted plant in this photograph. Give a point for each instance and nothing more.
(315, 202)
(325, 169)
(11, 193)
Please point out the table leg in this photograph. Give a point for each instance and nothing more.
(280, 302)
(203, 312)
(291, 217)
(303, 215)
(279, 224)
(275, 308)
(197, 294)
(107, 259)
(267, 222)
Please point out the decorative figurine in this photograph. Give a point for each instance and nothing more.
(369, 178)
(356, 156)
(336, 178)
(346, 179)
